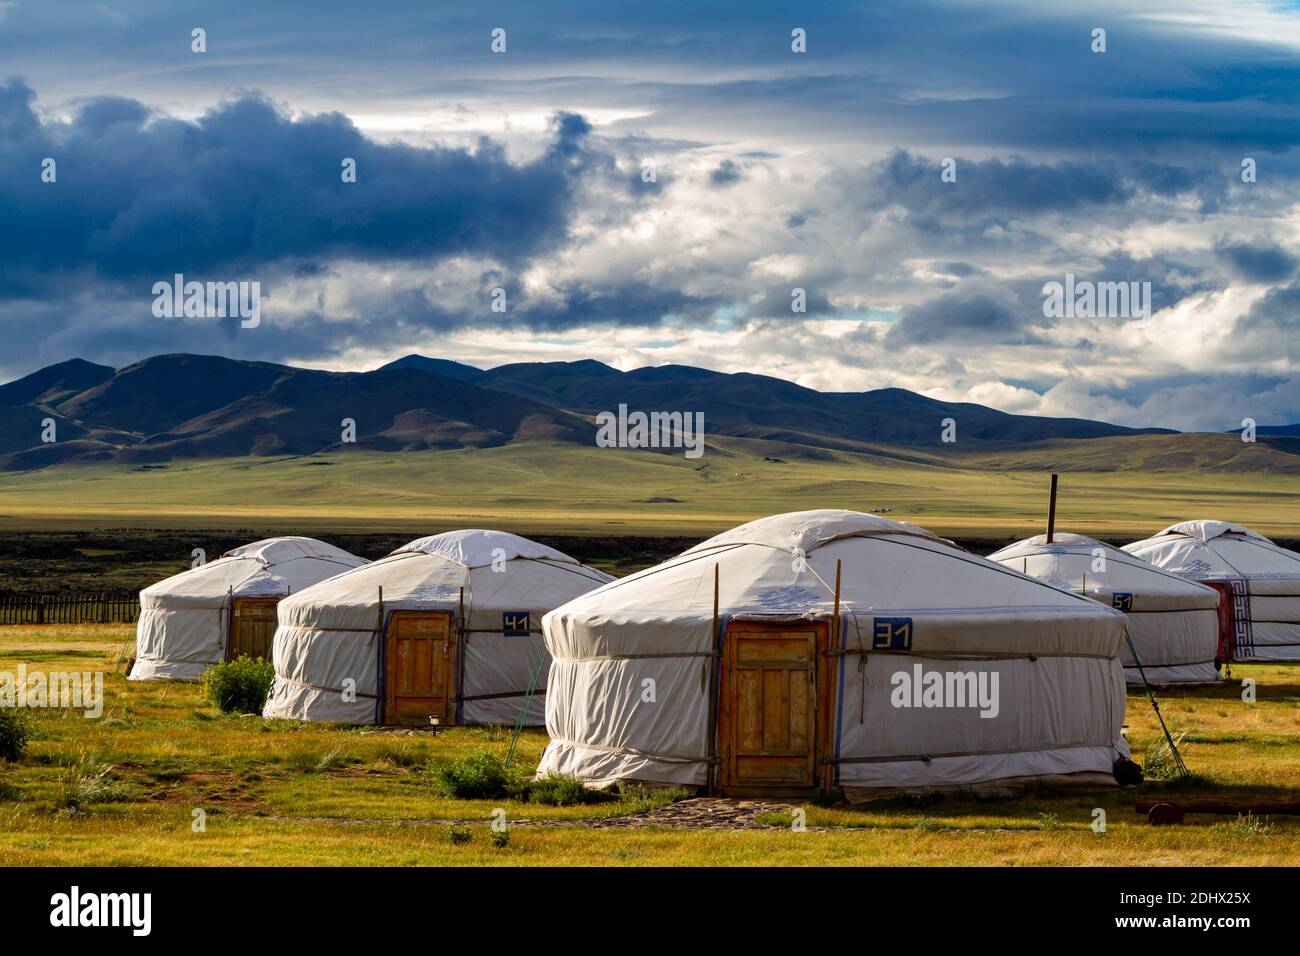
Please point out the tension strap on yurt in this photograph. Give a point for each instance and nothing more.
(523, 709)
(1155, 705)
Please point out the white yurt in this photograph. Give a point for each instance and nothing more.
(947, 669)
(225, 608)
(447, 627)
(1259, 581)
(1172, 622)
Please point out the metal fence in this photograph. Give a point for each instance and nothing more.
(69, 607)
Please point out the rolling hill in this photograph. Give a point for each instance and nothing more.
(177, 407)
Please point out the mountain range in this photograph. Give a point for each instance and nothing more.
(172, 407)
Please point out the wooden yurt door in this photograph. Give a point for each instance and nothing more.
(420, 668)
(772, 707)
(252, 627)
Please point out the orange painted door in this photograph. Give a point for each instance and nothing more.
(252, 628)
(768, 725)
(420, 667)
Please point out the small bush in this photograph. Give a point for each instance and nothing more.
(1246, 825)
(86, 781)
(561, 790)
(478, 775)
(404, 757)
(15, 731)
(459, 834)
(500, 838)
(308, 761)
(10, 790)
(239, 686)
(642, 799)
(1159, 762)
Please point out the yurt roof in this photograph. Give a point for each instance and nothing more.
(271, 567)
(967, 603)
(886, 564)
(808, 530)
(1217, 549)
(475, 548)
(1067, 562)
(1204, 530)
(431, 571)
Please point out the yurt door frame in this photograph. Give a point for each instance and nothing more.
(421, 667)
(252, 627)
(773, 707)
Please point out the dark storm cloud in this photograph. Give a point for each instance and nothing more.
(1278, 311)
(1171, 278)
(1258, 261)
(776, 303)
(920, 73)
(1016, 187)
(726, 173)
(246, 186)
(1060, 154)
(975, 311)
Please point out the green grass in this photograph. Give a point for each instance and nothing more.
(536, 487)
(122, 790)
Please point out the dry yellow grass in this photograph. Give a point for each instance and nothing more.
(536, 487)
(285, 793)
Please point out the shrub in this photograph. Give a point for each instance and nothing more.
(404, 757)
(642, 799)
(1246, 825)
(87, 780)
(309, 761)
(500, 838)
(561, 790)
(240, 686)
(480, 774)
(15, 731)
(1159, 763)
(459, 834)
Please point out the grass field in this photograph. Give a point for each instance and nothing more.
(122, 790)
(537, 487)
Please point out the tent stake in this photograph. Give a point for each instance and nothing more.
(1051, 511)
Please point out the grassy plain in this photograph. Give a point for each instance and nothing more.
(543, 488)
(122, 790)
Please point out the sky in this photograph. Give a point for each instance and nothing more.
(649, 183)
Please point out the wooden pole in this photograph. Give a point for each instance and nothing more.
(713, 663)
(1051, 511)
(460, 661)
(381, 678)
(827, 770)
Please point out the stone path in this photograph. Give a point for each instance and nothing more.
(699, 813)
(704, 813)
